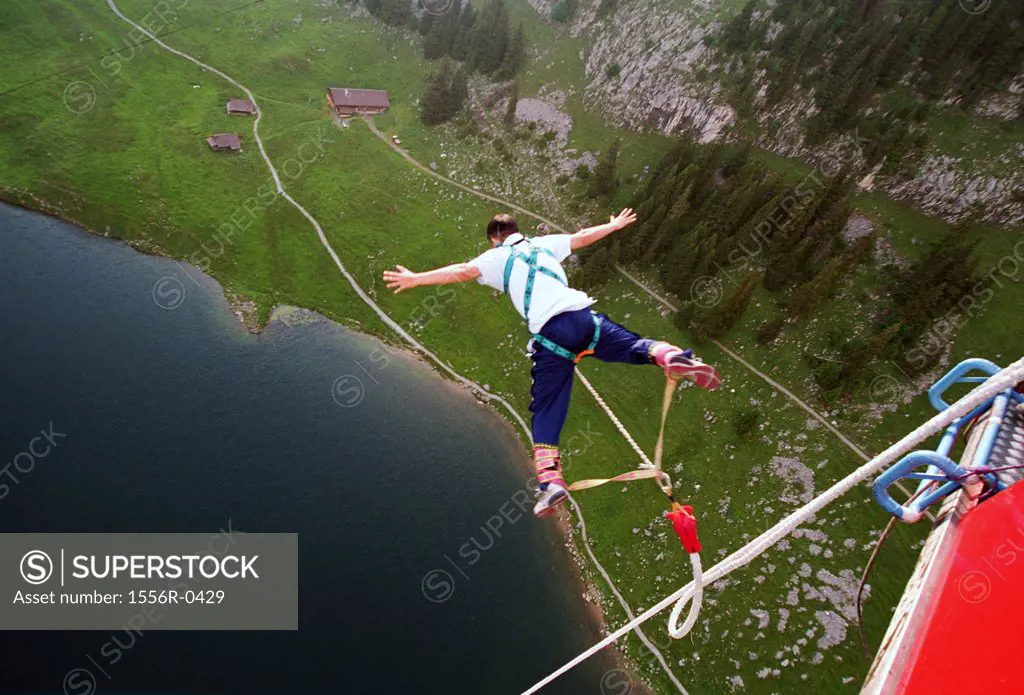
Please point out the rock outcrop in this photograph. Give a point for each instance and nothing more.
(647, 66)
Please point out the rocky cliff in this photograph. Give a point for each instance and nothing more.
(648, 64)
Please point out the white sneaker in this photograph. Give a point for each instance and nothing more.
(549, 499)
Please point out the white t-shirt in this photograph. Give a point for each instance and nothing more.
(549, 297)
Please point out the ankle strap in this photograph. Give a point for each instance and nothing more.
(545, 457)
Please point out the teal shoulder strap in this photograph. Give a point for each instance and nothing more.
(534, 268)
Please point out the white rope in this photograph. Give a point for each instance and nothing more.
(1006, 378)
(618, 424)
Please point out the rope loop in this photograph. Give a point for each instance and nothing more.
(694, 594)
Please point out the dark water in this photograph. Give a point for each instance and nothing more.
(180, 421)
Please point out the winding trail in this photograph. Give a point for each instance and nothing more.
(388, 321)
(394, 325)
(405, 155)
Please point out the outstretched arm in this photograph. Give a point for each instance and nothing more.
(404, 279)
(586, 237)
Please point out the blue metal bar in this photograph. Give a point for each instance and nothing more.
(940, 466)
(956, 375)
(988, 439)
(914, 510)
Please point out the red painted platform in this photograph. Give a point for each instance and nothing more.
(973, 638)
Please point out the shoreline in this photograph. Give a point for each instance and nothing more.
(246, 312)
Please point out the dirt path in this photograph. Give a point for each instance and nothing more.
(481, 194)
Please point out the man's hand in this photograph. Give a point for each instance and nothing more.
(400, 279)
(591, 235)
(623, 219)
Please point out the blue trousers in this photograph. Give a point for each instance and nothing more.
(553, 375)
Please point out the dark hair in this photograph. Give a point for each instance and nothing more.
(502, 226)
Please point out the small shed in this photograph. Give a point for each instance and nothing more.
(225, 142)
(241, 107)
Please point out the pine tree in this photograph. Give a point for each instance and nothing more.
(458, 91)
(781, 271)
(690, 320)
(856, 363)
(635, 243)
(606, 8)
(395, 12)
(445, 96)
(681, 155)
(488, 39)
(513, 101)
(738, 161)
(934, 36)
(667, 232)
(896, 58)
(462, 35)
(597, 265)
(515, 55)
(727, 314)
(688, 260)
(771, 330)
(811, 295)
(727, 221)
(563, 11)
(681, 207)
(934, 284)
(605, 179)
(432, 105)
(439, 38)
(737, 31)
(707, 163)
(426, 22)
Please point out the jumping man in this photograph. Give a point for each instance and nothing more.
(529, 271)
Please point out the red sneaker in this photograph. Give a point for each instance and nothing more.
(681, 364)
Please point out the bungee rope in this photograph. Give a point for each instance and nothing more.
(684, 522)
(998, 382)
(648, 468)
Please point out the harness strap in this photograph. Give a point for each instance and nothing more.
(562, 352)
(534, 268)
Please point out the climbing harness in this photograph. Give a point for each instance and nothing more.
(995, 384)
(562, 352)
(535, 267)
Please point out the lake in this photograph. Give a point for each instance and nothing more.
(176, 419)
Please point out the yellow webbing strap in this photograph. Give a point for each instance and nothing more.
(646, 472)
